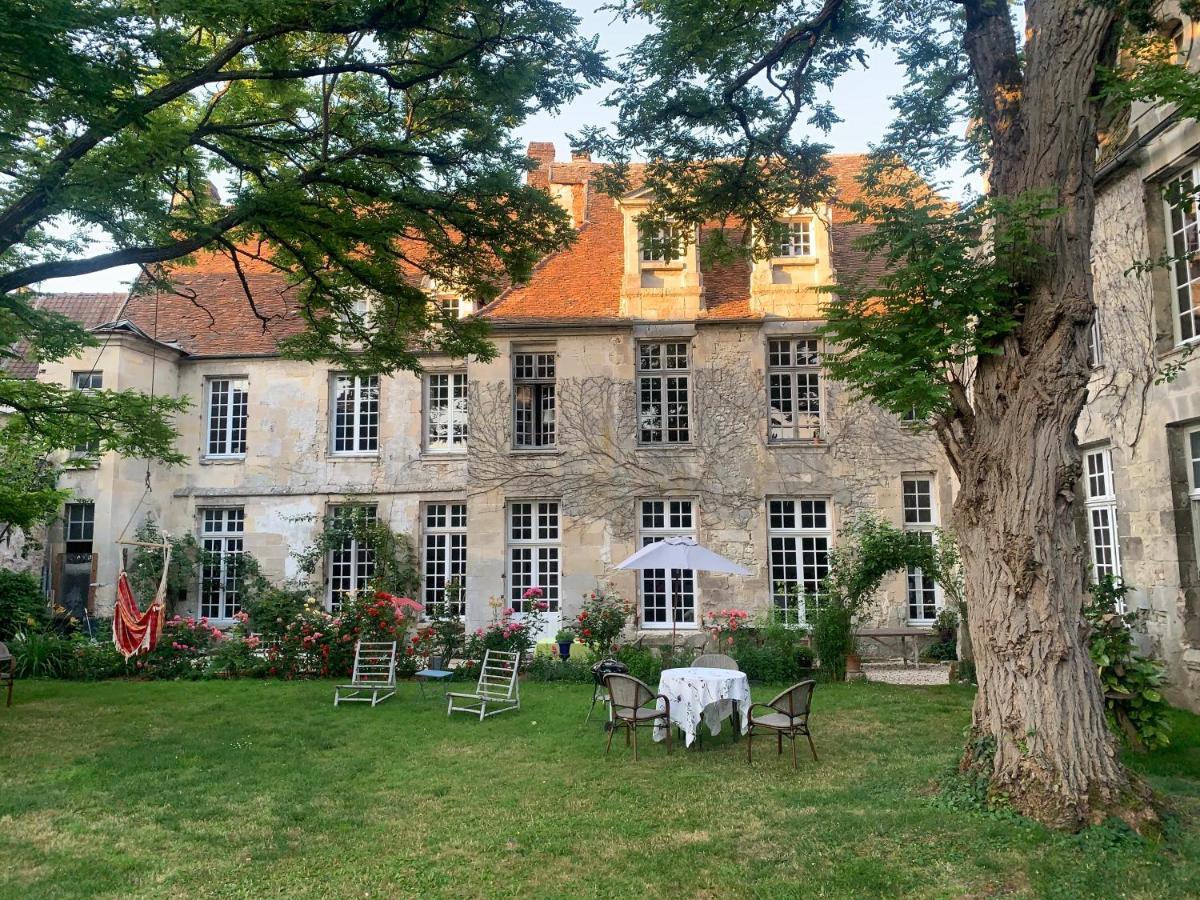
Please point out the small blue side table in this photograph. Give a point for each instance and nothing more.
(435, 674)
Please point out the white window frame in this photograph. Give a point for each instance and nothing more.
(799, 538)
(535, 371)
(447, 416)
(1095, 343)
(444, 553)
(83, 381)
(922, 520)
(1182, 224)
(233, 419)
(793, 240)
(658, 583)
(533, 535)
(1100, 508)
(661, 380)
(1191, 449)
(793, 370)
(71, 521)
(351, 566)
(222, 538)
(363, 414)
(660, 246)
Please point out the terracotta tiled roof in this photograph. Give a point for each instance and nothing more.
(88, 310)
(210, 316)
(208, 313)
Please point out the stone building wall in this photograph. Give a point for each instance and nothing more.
(1141, 418)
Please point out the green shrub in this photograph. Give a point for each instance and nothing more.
(41, 654)
(236, 656)
(94, 660)
(775, 665)
(22, 605)
(833, 637)
(942, 651)
(547, 668)
(269, 609)
(1131, 682)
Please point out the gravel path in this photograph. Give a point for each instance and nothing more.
(896, 674)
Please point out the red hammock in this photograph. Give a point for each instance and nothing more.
(135, 631)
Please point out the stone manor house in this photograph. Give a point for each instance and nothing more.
(634, 397)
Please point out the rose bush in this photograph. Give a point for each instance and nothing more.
(601, 621)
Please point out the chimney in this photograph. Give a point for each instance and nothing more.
(581, 156)
(542, 153)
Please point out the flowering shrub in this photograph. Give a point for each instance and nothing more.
(181, 649)
(602, 620)
(506, 632)
(724, 624)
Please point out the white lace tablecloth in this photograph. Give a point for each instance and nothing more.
(701, 694)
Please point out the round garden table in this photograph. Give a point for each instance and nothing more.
(703, 695)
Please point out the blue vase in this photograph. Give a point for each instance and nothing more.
(564, 649)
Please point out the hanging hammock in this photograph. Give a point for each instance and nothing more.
(134, 631)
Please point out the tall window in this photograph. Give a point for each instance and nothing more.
(446, 412)
(228, 405)
(87, 381)
(664, 393)
(658, 244)
(664, 590)
(1184, 228)
(920, 517)
(221, 532)
(445, 552)
(1192, 448)
(799, 533)
(1095, 351)
(352, 565)
(793, 239)
(1100, 506)
(355, 413)
(794, 389)
(534, 400)
(79, 527)
(534, 552)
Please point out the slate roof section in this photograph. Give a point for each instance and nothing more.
(89, 310)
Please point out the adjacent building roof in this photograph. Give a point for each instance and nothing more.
(89, 310)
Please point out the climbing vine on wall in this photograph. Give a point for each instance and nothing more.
(395, 558)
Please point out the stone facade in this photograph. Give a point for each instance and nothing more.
(1141, 419)
(608, 470)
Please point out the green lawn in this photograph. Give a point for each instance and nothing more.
(254, 789)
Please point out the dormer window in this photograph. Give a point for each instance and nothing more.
(451, 307)
(793, 239)
(658, 245)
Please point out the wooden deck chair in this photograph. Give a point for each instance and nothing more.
(374, 674)
(498, 687)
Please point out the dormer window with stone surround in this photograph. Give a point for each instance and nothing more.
(662, 270)
(659, 246)
(787, 281)
(447, 300)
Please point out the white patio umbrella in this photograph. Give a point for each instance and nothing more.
(680, 553)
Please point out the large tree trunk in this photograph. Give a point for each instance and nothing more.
(1039, 729)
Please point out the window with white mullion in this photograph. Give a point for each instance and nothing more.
(794, 389)
(534, 553)
(356, 414)
(793, 239)
(445, 552)
(1183, 227)
(1100, 508)
(221, 538)
(228, 412)
(352, 565)
(534, 399)
(88, 382)
(799, 535)
(920, 517)
(659, 244)
(664, 393)
(1192, 448)
(664, 591)
(446, 412)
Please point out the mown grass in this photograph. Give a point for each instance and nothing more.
(263, 789)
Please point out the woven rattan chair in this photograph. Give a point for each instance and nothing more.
(8, 670)
(788, 717)
(716, 661)
(629, 698)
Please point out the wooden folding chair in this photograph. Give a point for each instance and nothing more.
(497, 687)
(374, 674)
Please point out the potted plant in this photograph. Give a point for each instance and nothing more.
(564, 639)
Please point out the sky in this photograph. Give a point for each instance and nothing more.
(861, 98)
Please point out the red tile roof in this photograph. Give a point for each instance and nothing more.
(210, 316)
(87, 309)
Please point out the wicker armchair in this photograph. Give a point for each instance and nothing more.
(716, 661)
(629, 698)
(788, 717)
(8, 670)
